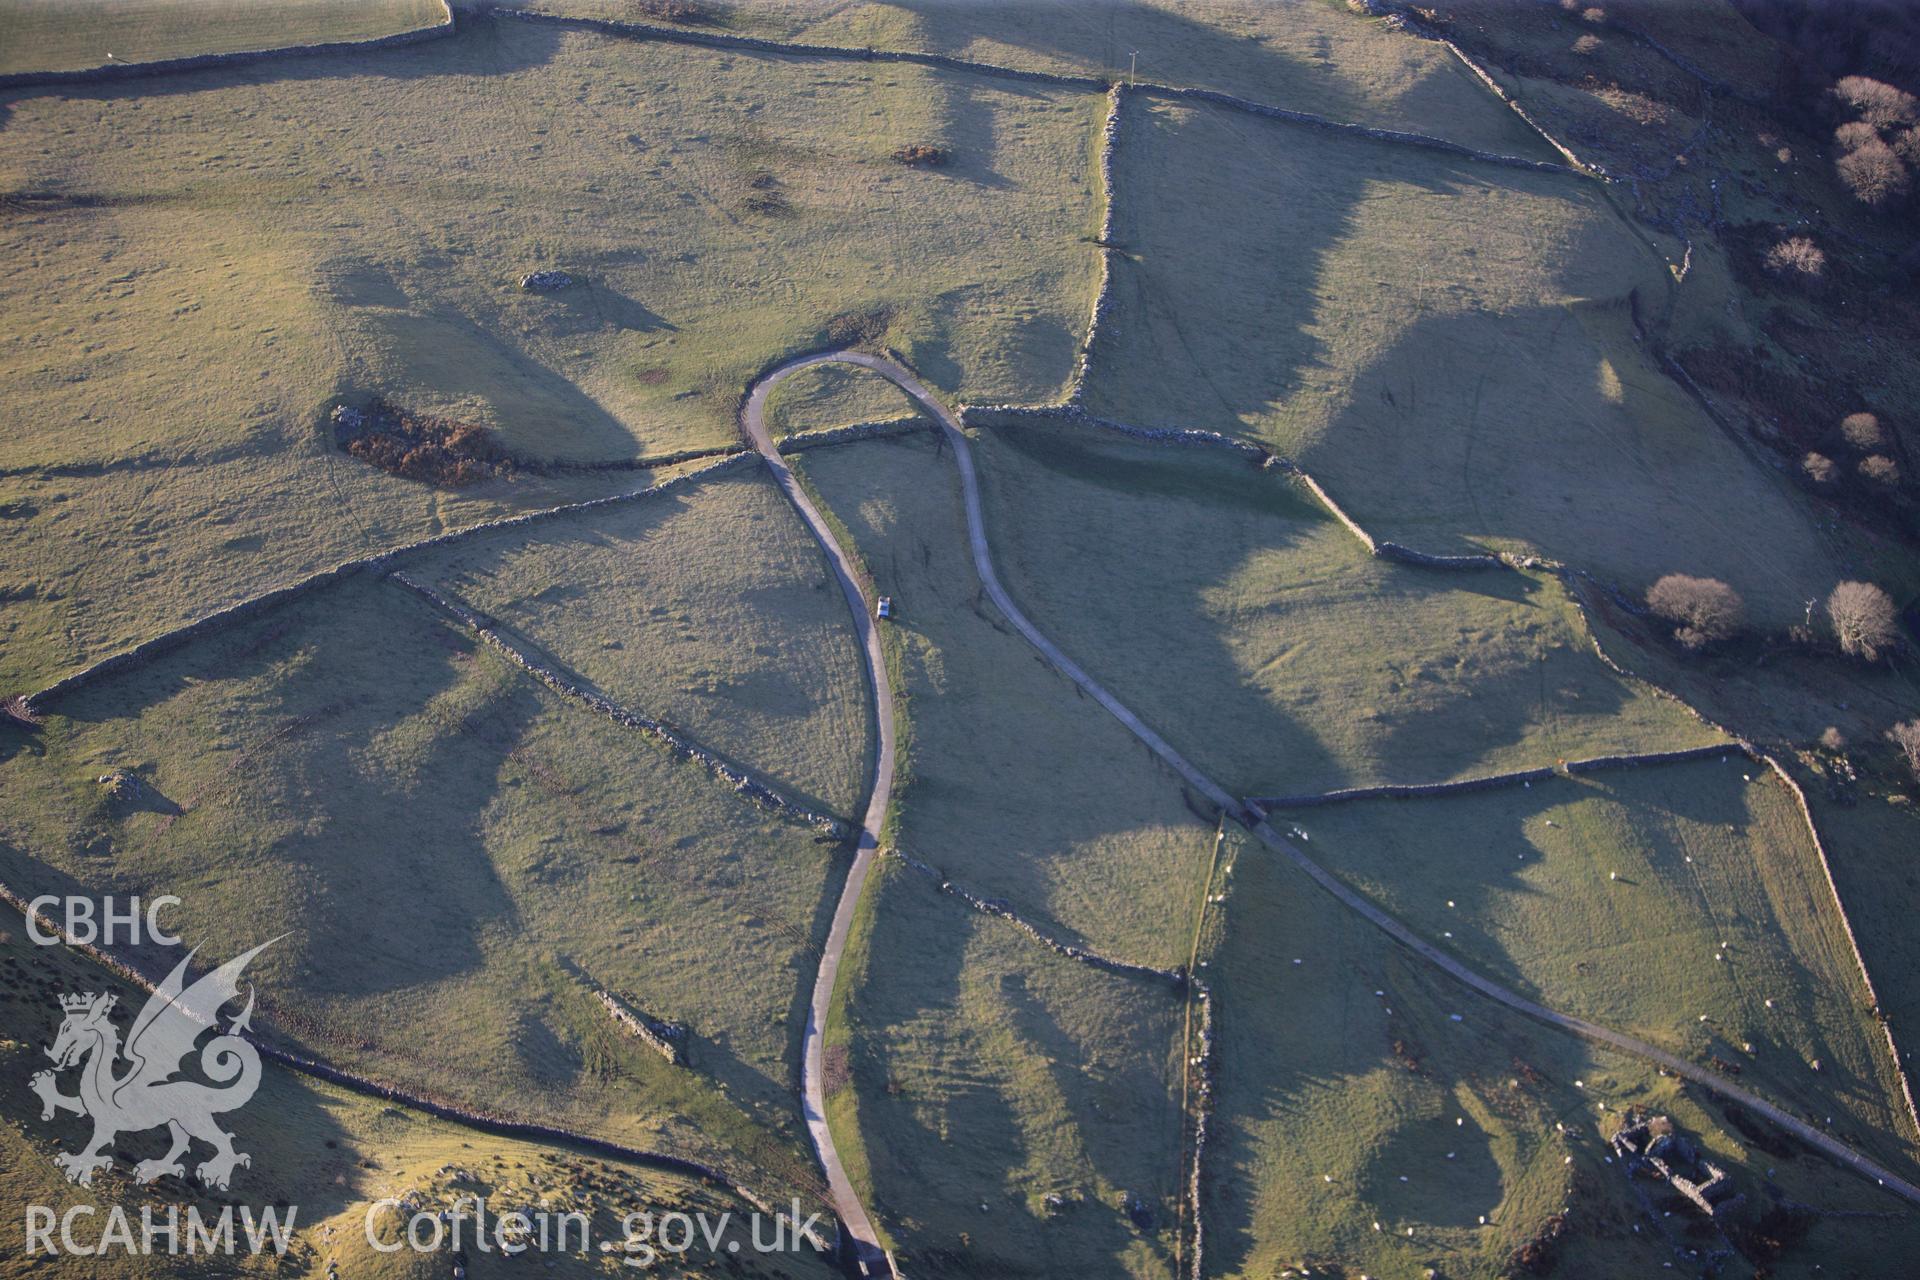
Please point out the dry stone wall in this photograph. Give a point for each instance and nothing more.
(1488, 782)
(800, 441)
(381, 562)
(663, 1038)
(170, 66)
(1084, 83)
(675, 741)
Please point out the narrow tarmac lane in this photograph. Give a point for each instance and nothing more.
(846, 1201)
(868, 1254)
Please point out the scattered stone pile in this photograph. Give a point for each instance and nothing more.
(19, 710)
(546, 281)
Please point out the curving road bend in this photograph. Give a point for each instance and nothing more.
(846, 1202)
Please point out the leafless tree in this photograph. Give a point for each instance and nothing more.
(1874, 174)
(1864, 432)
(1879, 104)
(1906, 736)
(1706, 610)
(1881, 470)
(1863, 620)
(1798, 261)
(1855, 134)
(1819, 468)
(1833, 740)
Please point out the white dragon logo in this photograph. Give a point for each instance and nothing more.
(147, 1095)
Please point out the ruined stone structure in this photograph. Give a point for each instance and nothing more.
(1649, 1146)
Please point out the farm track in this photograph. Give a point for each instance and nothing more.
(868, 1254)
(1250, 814)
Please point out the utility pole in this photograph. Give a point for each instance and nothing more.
(1133, 60)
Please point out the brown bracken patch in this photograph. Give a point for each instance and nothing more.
(420, 446)
(921, 155)
(836, 1069)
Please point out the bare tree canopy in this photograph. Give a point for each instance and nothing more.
(1877, 103)
(1880, 469)
(1819, 468)
(1797, 260)
(1707, 611)
(1874, 174)
(1906, 736)
(1863, 620)
(1864, 432)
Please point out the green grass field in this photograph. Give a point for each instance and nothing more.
(1329, 1095)
(833, 395)
(61, 35)
(1704, 859)
(1867, 819)
(710, 609)
(200, 270)
(1222, 603)
(1303, 54)
(1346, 1084)
(458, 860)
(318, 1151)
(1868, 845)
(988, 1074)
(1011, 782)
(1447, 346)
